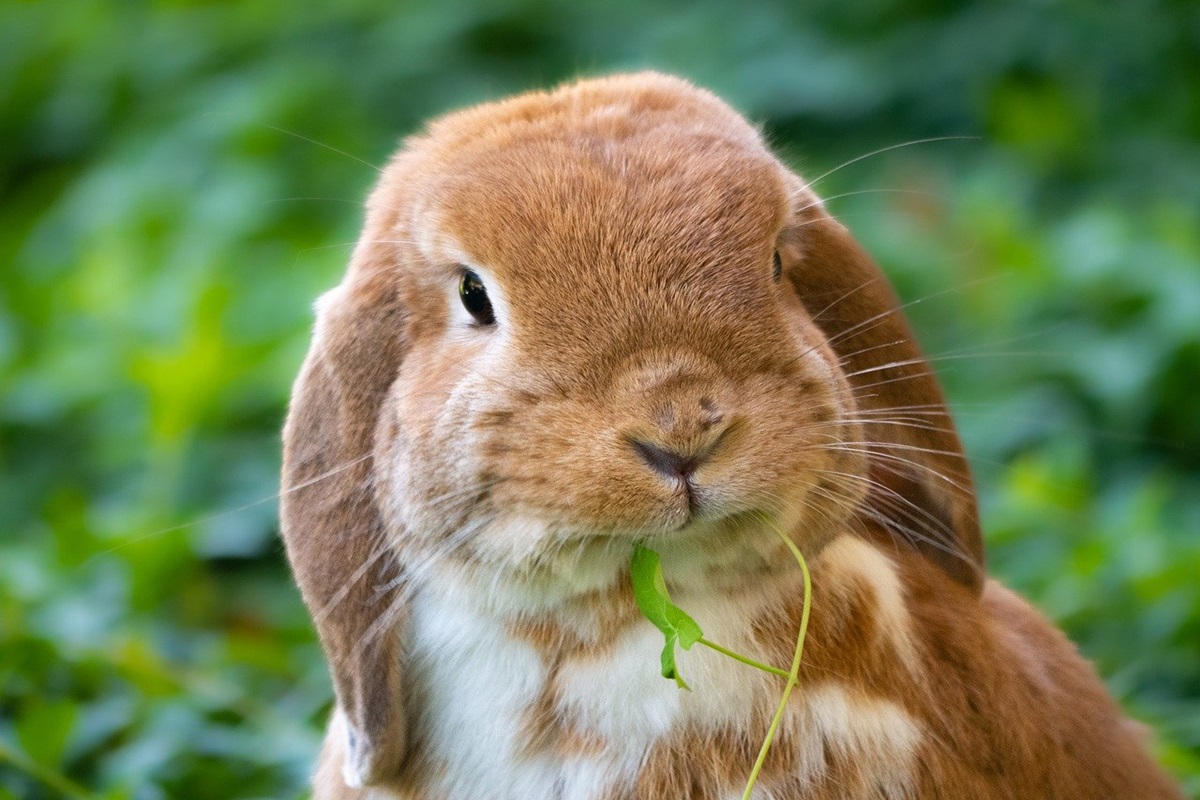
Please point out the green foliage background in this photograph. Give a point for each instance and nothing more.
(181, 179)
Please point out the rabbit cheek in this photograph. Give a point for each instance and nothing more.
(427, 454)
(839, 461)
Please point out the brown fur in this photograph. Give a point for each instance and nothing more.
(1009, 708)
(625, 229)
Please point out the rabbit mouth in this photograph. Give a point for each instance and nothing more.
(545, 566)
(689, 504)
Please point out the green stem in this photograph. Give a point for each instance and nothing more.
(59, 783)
(794, 673)
(739, 657)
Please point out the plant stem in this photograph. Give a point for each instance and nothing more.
(59, 783)
(739, 657)
(794, 673)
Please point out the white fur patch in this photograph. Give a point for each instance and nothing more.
(878, 736)
(323, 307)
(473, 682)
(477, 684)
(848, 561)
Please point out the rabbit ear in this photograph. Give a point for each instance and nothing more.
(331, 522)
(920, 482)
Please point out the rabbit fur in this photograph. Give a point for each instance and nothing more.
(683, 340)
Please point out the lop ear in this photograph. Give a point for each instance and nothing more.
(331, 522)
(920, 482)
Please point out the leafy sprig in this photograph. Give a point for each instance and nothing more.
(679, 629)
(654, 601)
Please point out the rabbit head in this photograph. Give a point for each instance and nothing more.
(583, 318)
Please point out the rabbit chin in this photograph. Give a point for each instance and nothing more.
(523, 564)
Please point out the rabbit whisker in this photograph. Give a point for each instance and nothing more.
(902, 525)
(227, 513)
(847, 295)
(333, 602)
(808, 185)
(304, 138)
(891, 458)
(873, 321)
(898, 422)
(442, 504)
(825, 200)
(898, 504)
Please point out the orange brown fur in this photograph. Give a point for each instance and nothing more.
(451, 477)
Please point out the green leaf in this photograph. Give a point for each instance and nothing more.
(44, 730)
(654, 601)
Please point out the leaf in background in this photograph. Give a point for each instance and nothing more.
(44, 731)
(652, 598)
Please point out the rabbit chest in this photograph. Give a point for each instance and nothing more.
(504, 708)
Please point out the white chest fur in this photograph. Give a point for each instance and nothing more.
(472, 685)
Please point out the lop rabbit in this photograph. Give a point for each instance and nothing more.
(607, 314)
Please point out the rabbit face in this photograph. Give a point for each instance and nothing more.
(639, 370)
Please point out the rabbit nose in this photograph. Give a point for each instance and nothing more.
(682, 435)
(669, 463)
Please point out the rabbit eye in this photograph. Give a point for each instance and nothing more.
(777, 267)
(475, 299)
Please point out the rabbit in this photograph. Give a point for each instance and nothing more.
(607, 314)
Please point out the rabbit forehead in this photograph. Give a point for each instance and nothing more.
(661, 199)
(607, 174)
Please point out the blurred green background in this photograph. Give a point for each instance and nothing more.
(181, 179)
